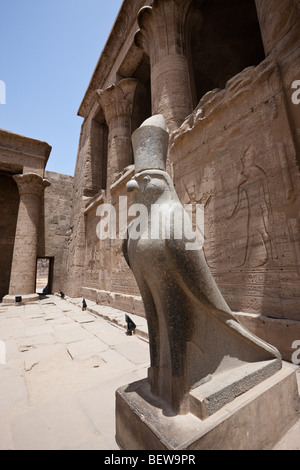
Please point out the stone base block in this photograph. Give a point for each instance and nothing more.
(256, 420)
(11, 299)
(127, 303)
(225, 386)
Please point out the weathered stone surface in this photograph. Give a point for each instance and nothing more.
(162, 36)
(251, 241)
(86, 349)
(117, 104)
(236, 151)
(13, 391)
(40, 373)
(35, 224)
(20, 154)
(281, 333)
(194, 337)
(9, 203)
(54, 224)
(253, 421)
(234, 148)
(40, 429)
(69, 334)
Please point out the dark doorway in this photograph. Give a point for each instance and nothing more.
(98, 154)
(142, 108)
(9, 206)
(224, 38)
(44, 270)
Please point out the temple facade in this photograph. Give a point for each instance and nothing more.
(224, 76)
(34, 216)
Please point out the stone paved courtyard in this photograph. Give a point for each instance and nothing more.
(62, 369)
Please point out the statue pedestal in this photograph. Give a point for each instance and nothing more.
(11, 299)
(255, 420)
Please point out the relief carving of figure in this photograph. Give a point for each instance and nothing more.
(260, 220)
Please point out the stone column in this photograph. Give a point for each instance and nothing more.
(117, 104)
(162, 37)
(22, 281)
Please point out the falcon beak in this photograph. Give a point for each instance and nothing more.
(132, 185)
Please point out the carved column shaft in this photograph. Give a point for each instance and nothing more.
(162, 36)
(119, 143)
(117, 104)
(31, 188)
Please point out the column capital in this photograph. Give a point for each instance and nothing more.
(162, 30)
(31, 183)
(117, 100)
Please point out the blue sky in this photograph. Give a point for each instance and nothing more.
(49, 50)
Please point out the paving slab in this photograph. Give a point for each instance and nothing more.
(58, 384)
(69, 333)
(291, 441)
(86, 349)
(40, 329)
(137, 353)
(109, 333)
(99, 403)
(6, 437)
(57, 424)
(30, 341)
(13, 392)
(116, 363)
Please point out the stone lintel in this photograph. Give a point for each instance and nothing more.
(17, 145)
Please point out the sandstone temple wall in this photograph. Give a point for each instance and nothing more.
(35, 211)
(234, 145)
(22, 168)
(9, 204)
(54, 222)
(248, 183)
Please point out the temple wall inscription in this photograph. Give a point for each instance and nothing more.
(249, 185)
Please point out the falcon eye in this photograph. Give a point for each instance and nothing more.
(146, 179)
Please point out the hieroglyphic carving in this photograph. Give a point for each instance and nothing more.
(252, 220)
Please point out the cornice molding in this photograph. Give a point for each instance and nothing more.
(123, 25)
(18, 144)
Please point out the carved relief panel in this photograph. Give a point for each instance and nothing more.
(237, 157)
